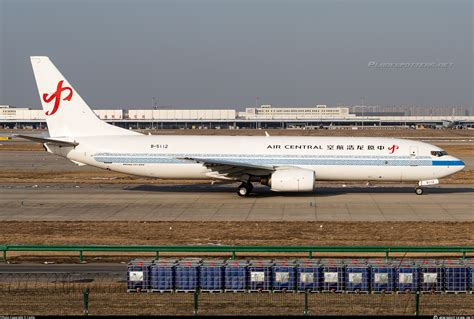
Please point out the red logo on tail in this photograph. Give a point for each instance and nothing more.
(57, 97)
(393, 148)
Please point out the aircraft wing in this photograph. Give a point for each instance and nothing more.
(229, 169)
(43, 140)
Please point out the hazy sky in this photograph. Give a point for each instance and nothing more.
(223, 53)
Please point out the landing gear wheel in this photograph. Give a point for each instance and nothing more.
(419, 191)
(244, 189)
(250, 186)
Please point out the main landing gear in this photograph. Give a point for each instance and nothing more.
(244, 189)
(419, 191)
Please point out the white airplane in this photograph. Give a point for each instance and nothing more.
(289, 164)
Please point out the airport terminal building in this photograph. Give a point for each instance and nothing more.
(265, 117)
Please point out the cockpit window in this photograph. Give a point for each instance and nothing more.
(439, 153)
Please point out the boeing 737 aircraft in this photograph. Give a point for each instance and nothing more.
(289, 164)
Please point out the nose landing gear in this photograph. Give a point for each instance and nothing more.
(429, 182)
(244, 189)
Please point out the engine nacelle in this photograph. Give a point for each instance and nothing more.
(292, 180)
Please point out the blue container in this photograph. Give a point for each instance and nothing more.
(260, 275)
(407, 277)
(138, 275)
(309, 275)
(236, 275)
(357, 275)
(470, 266)
(212, 275)
(284, 275)
(382, 276)
(456, 276)
(431, 276)
(332, 275)
(162, 275)
(187, 274)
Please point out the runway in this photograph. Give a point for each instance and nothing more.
(89, 202)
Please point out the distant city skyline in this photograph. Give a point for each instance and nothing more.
(225, 54)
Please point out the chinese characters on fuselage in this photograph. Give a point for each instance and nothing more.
(328, 147)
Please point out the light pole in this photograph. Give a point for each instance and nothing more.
(363, 106)
(256, 107)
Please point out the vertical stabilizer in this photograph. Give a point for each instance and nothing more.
(67, 115)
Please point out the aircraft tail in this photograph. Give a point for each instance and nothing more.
(67, 115)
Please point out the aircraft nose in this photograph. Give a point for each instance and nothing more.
(460, 164)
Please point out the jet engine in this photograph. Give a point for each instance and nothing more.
(292, 180)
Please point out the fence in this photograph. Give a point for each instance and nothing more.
(99, 294)
(234, 250)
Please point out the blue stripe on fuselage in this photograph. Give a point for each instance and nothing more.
(448, 163)
(277, 160)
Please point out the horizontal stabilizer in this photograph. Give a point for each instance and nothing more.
(43, 140)
(78, 163)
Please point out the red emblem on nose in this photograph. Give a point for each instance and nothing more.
(393, 148)
(57, 97)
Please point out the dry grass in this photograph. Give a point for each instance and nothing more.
(229, 233)
(466, 176)
(238, 233)
(26, 147)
